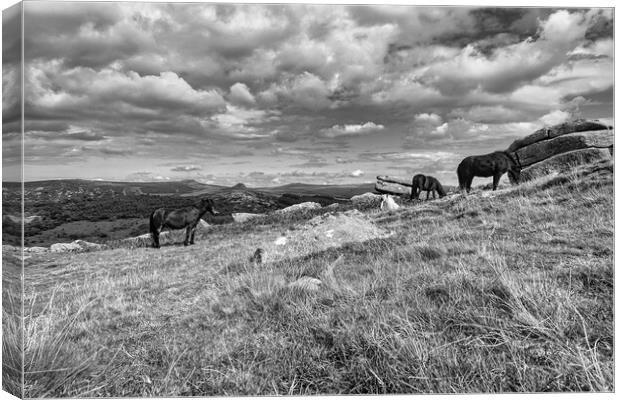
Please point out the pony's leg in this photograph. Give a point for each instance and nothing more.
(428, 193)
(191, 238)
(468, 184)
(434, 194)
(496, 180)
(187, 232)
(155, 238)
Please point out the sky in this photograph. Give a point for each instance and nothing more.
(274, 94)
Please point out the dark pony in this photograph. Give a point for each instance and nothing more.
(424, 182)
(187, 217)
(493, 164)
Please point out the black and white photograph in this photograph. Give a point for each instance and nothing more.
(216, 199)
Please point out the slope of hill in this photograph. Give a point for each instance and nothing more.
(506, 291)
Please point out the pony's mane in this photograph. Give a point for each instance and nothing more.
(510, 157)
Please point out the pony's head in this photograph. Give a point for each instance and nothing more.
(208, 205)
(514, 174)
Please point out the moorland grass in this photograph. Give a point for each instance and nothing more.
(510, 291)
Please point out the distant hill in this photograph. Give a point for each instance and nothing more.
(185, 187)
(67, 209)
(162, 188)
(343, 191)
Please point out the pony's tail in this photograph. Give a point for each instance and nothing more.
(440, 190)
(459, 173)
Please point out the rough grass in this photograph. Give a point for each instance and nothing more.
(510, 291)
(12, 326)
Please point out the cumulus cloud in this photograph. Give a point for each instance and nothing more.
(357, 172)
(425, 124)
(306, 90)
(510, 66)
(352, 130)
(240, 94)
(428, 118)
(241, 123)
(52, 89)
(421, 24)
(555, 117)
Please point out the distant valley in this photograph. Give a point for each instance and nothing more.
(98, 211)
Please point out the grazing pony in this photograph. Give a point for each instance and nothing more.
(428, 183)
(493, 164)
(187, 217)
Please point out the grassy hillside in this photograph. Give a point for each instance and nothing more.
(490, 292)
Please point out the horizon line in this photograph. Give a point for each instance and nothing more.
(182, 180)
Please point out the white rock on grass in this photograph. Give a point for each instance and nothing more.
(75, 246)
(281, 241)
(35, 249)
(242, 217)
(87, 245)
(65, 247)
(309, 205)
(388, 203)
(366, 199)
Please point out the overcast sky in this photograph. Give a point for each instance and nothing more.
(274, 94)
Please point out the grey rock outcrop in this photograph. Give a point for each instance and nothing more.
(392, 188)
(564, 162)
(544, 149)
(561, 147)
(367, 199)
(74, 247)
(579, 125)
(309, 205)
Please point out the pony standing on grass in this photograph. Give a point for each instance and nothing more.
(187, 217)
(493, 164)
(428, 183)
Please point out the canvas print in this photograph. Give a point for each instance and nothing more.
(226, 199)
